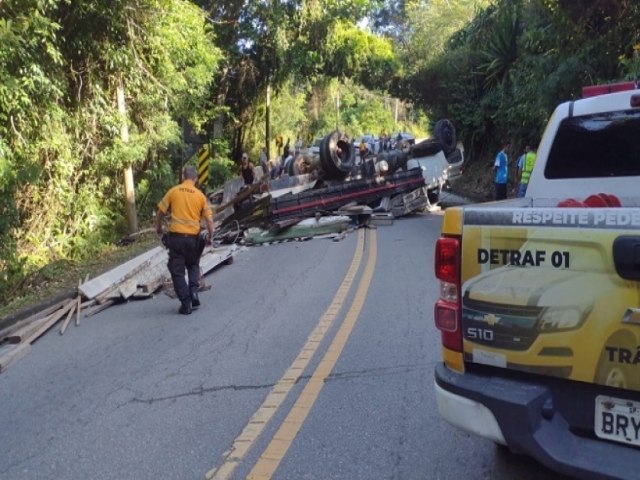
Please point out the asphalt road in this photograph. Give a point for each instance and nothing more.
(307, 360)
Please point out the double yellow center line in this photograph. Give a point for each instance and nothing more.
(282, 440)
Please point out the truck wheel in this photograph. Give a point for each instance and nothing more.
(337, 156)
(445, 133)
(610, 371)
(426, 148)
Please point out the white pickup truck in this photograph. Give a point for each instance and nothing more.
(539, 306)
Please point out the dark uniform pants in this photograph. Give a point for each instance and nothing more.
(184, 252)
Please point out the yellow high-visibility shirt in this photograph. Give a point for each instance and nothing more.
(188, 205)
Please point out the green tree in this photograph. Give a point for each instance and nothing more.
(59, 122)
(273, 42)
(503, 71)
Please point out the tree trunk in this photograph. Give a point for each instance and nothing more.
(129, 190)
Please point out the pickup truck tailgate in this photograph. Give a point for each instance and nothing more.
(545, 288)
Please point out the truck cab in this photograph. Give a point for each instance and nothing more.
(539, 309)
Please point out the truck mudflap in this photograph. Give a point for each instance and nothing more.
(547, 419)
(553, 291)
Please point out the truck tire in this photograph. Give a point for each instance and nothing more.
(337, 156)
(426, 148)
(445, 133)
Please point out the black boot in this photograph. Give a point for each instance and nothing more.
(195, 301)
(185, 308)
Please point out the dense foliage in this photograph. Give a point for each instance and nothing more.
(495, 68)
(500, 75)
(61, 150)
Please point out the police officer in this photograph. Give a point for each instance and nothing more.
(187, 206)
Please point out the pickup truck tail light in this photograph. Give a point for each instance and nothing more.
(447, 312)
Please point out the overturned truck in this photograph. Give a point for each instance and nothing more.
(400, 181)
(439, 158)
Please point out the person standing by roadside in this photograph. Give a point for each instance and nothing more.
(187, 206)
(287, 167)
(525, 166)
(287, 149)
(362, 148)
(276, 169)
(501, 169)
(246, 170)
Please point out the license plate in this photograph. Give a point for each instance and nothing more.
(489, 358)
(617, 419)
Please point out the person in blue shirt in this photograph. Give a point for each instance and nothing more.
(501, 170)
(276, 168)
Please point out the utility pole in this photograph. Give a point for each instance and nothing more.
(129, 190)
(338, 109)
(267, 119)
(395, 116)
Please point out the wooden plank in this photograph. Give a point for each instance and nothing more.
(66, 320)
(5, 332)
(88, 303)
(19, 335)
(27, 331)
(99, 308)
(141, 293)
(114, 291)
(108, 295)
(106, 281)
(128, 288)
(215, 257)
(50, 322)
(155, 271)
(152, 285)
(15, 354)
(79, 305)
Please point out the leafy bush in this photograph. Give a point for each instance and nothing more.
(221, 170)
